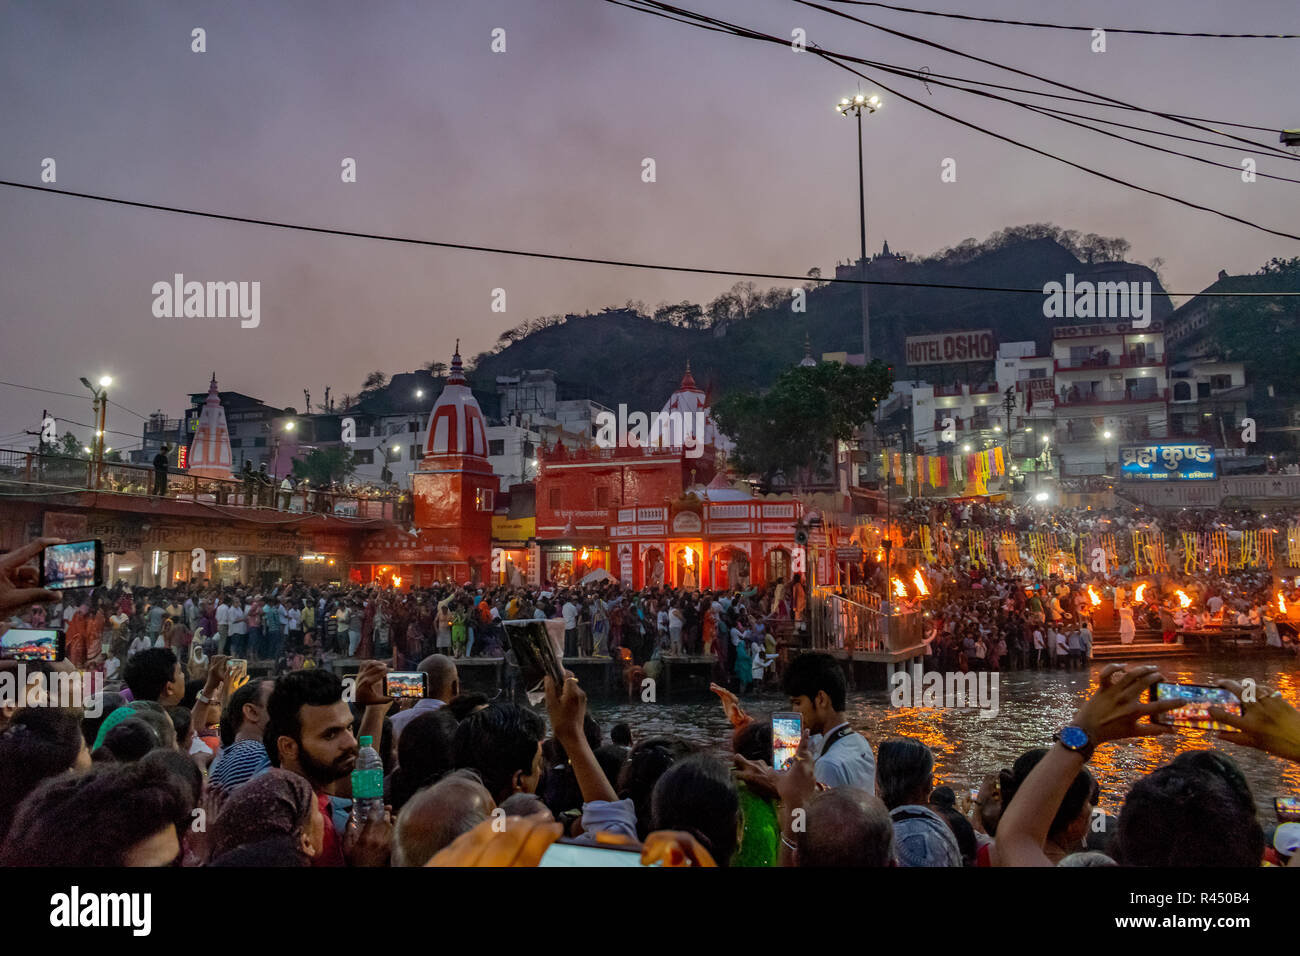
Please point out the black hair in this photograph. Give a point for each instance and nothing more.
(621, 734)
(148, 672)
(499, 741)
(424, 754)
(192, 688)
(130, 740)
(961, 829)
(462, 705)
(809, 674)
(943, 796)
(646, 763)
(1073, 802)
(1196, 810)
(904, 766)
(109, 701)
(315, 687)
(232, 718)
(754, 741)
(183, 768)
(182, 719)
(698, 795)
(39, 743)
(611, 758)
(111, 809)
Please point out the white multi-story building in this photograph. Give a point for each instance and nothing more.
(1111, 388)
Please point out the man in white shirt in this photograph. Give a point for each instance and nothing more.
(238, 631)
(570, 612)
(223, 624)
(444, 685)
(1039, 647)
(816, 688)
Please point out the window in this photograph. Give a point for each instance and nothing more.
(483, 499)
(1182, 392)
(555, 498)
(236, 442)
(1218, 382)
(1038, 373)
(412, 427)
(416, 453)
(1202, 389)
(496, 446)
(364, 456)
(259, 441)
(395, 429)
(602, 497)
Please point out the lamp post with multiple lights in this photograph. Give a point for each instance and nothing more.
(100, 395)
(855, 106)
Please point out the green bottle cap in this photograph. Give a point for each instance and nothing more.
(367, 741)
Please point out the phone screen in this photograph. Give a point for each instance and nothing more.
(1196, 713)
(787, 728)
(76, 564)
(575, 854)
(1287, 808)
(405, 683)
(237, 669)
(31, 644)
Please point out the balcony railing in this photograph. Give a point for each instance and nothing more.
(1109, 396)
(24, 472)
(1132, 360)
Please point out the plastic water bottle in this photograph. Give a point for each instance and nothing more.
(367, 784)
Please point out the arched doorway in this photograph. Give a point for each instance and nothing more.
(653, 568)
(686, 565)
(730, 569)
(777, 566)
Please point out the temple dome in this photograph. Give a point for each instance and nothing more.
(687, 400)
(456, 425)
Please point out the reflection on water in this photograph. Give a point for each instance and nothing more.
(1034, 705)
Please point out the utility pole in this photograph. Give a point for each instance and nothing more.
(1009, 404)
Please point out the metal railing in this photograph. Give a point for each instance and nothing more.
(841, 623)
(25, 472)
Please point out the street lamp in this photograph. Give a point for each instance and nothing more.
(100, 395)
(856, 106)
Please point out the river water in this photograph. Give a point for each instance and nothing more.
(1033, 705)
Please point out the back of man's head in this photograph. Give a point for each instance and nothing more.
(809, 674)
(846, 827)
(1195, 811)
(904, 771)
(148, 673)
(316, 687)
(500, 741)
(232, 718)
(436, 816)
(444, 681)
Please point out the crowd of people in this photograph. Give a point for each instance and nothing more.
(189, 762)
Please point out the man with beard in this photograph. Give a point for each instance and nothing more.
(309, 732)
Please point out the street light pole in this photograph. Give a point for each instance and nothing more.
(100, 406)
(857, 105)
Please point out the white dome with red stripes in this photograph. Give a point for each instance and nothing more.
(456, 425)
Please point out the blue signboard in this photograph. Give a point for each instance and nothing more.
(1186, 462)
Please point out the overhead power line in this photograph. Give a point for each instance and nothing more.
(835, 58)
(1061, 26)
(558, 257)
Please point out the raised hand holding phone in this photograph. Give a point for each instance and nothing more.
(1270, 724)
(17, 581)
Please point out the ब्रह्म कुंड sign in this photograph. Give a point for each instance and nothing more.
(943, 348)
(1174, 462)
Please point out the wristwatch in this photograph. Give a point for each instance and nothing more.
(1076, 739)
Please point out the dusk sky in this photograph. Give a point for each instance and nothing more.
(541, 148)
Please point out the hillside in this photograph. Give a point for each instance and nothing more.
(620, 356)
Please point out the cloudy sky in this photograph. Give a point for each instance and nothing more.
(541, 148)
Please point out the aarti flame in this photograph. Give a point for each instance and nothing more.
(1137, 595)
(919, 580)
(688, 556)
(397, 581)
(899, 588)
(583, 555)
(880, 555)
(1281, 603)
(1093, 596)
(1183, 599)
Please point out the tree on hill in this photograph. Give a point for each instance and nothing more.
(374, 382)
(323, 466)
(790, 428)
(1243, 323)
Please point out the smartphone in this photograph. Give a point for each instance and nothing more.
(566, 853)
(31, 644)
(1287, 809)
(787, 729)
(1196, 713)
(237, 669)
(77, 564)
(535, 655)
(406, 684)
